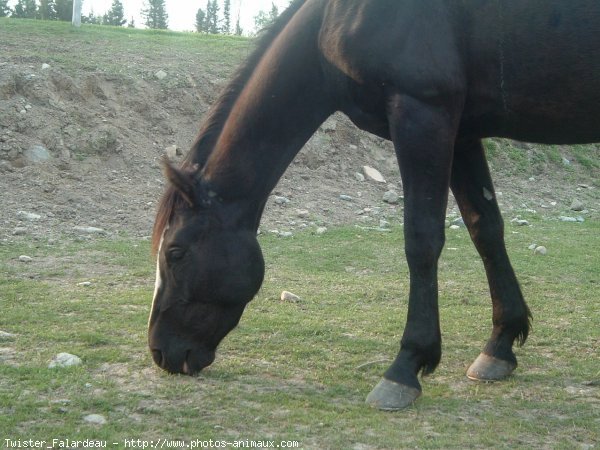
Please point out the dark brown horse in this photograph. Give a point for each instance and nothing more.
(435, 77)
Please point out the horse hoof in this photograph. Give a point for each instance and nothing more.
(488, 368)
(391, 396)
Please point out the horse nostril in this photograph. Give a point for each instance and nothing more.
(158, 357)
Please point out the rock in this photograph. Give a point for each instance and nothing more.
(346, 198)
(286, 234)
(171, 151)
(289, 297)
(459, 222)
(391, 197)
(454, 227)
(25, 258)
(19, 231)
(302, 213)
(24, 215)
(577, 205)
(330, 125)
(520, 222)
(359, 177)
(95, 419)
(540, 250)
(5, 336)
(64, 360)
(566, 162)
(161, 75)
(567, 219)
(84, 284)
(90, 230)
(45, 66)
(580, 219)
(373, 174)
(383, 223)
(321, 230)
(281, 200)
(37, 154)
(532, 247)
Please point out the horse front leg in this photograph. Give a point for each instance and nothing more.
(472, 187)
(423, 137)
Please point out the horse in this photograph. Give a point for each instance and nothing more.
(435, 77)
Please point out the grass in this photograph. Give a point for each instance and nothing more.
(300, 371)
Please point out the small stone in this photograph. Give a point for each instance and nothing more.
(459, 222)
(19, 231)
(373, 174)
(161, 75)
(302, 213)
(171, 151)
(566, 162)
(25, 258)
(580, 219)
(383, 223)
(28, 107)
(37, 154)
(346, 198)
(286, 234)
(45, 66)
(540, 250)
(24, 215)
(5, 336)
(359, 177)
(84, 284)
(520, 222)
(64, 360)
(391, 197)
(289, 297)
(95, 419)
(321, 230)
(281, 200)
(567, 219)
(90, 230)
(454, 227)
(577, 205)
(532, 247)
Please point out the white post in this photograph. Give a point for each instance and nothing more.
(77, 13)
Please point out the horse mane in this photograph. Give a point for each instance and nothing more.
(216, 118)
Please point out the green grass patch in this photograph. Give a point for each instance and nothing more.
(301, 371)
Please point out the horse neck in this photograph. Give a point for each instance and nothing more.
(282, 104)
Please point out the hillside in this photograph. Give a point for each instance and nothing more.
(85, 116)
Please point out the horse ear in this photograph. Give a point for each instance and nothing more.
(184, 180)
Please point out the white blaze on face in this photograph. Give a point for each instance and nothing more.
(158, 281)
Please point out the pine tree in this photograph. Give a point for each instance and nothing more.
(263, 19)
(155, 14)
(47, 10)
(212, 17)
(226, 17)
(4, 9)
(25, 9)
(200, 21)
(64, 10)
(238, 28)
(115, 15)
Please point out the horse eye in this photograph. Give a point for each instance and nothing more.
(176, 253)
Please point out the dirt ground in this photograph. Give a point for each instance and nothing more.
(81, 148)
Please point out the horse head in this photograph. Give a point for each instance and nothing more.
(209, 267)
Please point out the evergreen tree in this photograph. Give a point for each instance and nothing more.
(200, 21)
(238, 28)
(4, 9)
(212, 17)
(64, 10)
(263, 19)
(47, 10)
(25, 9)
(92, 18)
(227, 17)
(155, 14)
(115, 15)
